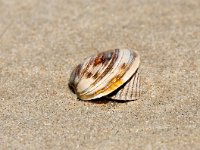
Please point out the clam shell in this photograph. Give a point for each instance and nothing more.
(101, 74)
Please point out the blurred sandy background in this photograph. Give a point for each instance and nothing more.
(41, 41)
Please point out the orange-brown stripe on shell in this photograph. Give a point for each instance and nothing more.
(76, 74)
(115, 82)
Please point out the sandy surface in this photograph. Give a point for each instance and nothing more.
(42, 41)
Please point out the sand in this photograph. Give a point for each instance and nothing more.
(42, 41)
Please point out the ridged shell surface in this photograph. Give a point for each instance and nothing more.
(101, 74)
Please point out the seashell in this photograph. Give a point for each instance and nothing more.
(112, 74)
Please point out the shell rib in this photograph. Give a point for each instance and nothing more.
(101, 74)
